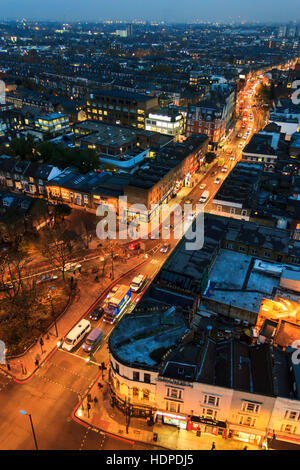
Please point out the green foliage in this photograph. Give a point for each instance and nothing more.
(85, 160)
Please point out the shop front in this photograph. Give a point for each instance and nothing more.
(178, 186)
(241, 433)
(171, 419)
(206, 425)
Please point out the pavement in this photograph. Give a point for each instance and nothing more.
(111, 421)
(23, 367)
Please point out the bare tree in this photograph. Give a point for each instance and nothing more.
(58, 246)
(12, 272)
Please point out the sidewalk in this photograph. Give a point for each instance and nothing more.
(23, 367)
(112, 421)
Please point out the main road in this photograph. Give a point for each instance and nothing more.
(52, 394)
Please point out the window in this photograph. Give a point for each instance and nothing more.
(288, 428)
(147, 378)
(174, 393)
(209, 413)
(242, 249)
(244, 212)
(230, 246)
(173, 407)
(146, 394)
(136, 376)
(250, 407)
(292, 415)
(247, 421)
(253, 252)
(211, 400)
(267, 254)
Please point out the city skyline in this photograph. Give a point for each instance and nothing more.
(168, 11)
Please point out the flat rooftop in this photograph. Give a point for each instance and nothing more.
(138, 336)
(241, 286)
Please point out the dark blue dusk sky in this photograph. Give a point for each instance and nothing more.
(153, 10)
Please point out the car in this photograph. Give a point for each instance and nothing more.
(46, 277)
(224, 169)
(245, 137)
(217, 181)
(165, 248)
(96, 314)
(134, 246)
(188, 201)
(232, 159)
(202, 186)
(72, 266)
(138, 297)
(112, 291)
(191, 216)
(240, 146)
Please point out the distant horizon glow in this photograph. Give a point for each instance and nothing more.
(169, 11)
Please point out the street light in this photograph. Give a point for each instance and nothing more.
(23, 412)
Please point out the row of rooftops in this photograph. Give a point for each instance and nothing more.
(123, 95)
(28, 169)
(16, 202)
(185, 269)
(158, 339)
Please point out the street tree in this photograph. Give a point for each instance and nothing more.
(58, 246)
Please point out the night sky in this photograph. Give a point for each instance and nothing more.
(154, 10)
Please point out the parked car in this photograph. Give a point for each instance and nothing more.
(134, 246)
(217, 181)
(240, 146)
(202, 186)
(224, 169)
(46, 277)
(72, 266)
(188, 201)
(165, 248)
(96, 314)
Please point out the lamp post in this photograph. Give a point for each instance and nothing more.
(23, 412)
(52, 308)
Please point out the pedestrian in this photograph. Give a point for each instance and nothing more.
(245, 448)
(8, 366)
(37, 362)
(213, 447)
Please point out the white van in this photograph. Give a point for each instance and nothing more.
(204, 197)
(138, 282)
(76, 334)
